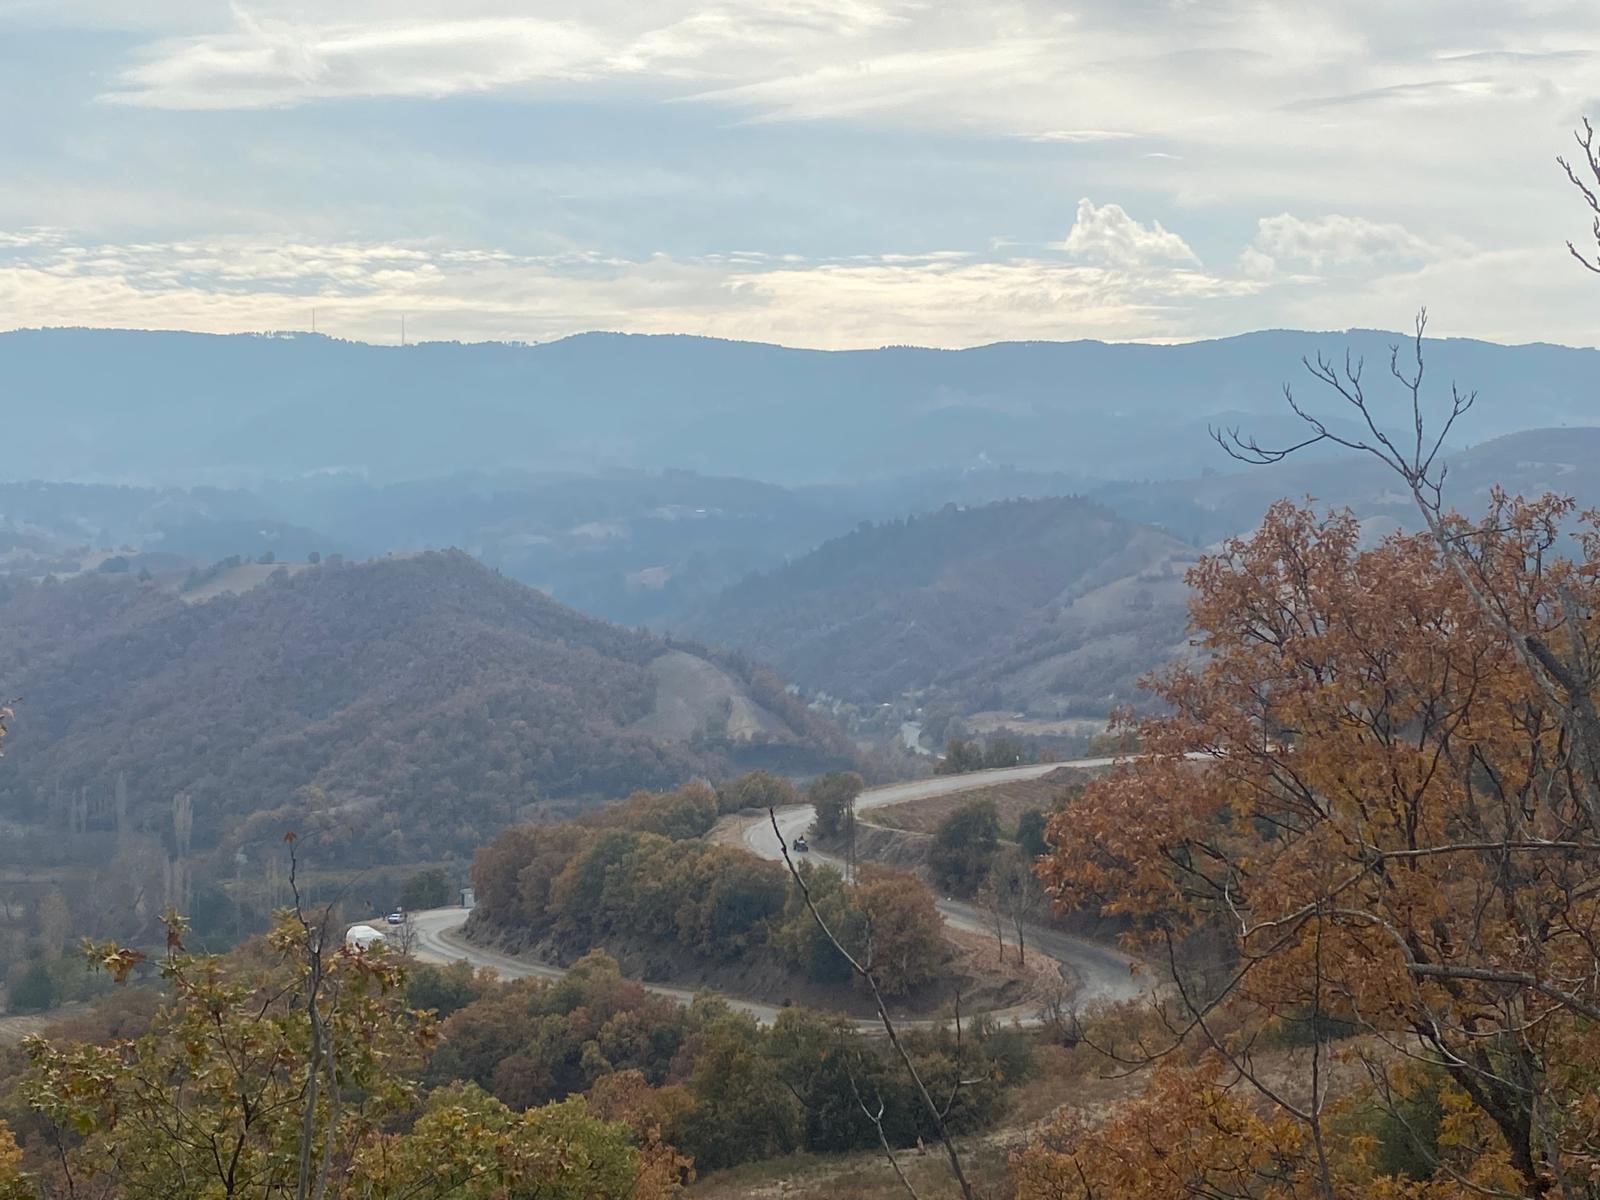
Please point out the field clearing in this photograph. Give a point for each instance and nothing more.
(995, 722)
(693, 694)
(243, 578)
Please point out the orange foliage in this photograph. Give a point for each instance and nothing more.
(1388, 825)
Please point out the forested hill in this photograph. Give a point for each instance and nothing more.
(1055, 606)
(406, 708)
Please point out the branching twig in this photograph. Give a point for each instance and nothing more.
(865, 975)
(883, 1139)
(1589, 191)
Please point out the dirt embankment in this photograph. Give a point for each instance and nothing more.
(898, 848)
(1010, 800)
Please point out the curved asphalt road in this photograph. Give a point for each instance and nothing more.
(436, 938)
(1101, 972)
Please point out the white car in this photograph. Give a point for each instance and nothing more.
(397, 917)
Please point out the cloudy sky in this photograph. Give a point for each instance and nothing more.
(814, 172)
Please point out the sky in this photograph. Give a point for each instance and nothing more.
(828, 173)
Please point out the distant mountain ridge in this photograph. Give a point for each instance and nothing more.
(1052, 606)
(129, 406)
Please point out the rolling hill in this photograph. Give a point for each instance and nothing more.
(403, 709)
(1051, 606)
(635, 547)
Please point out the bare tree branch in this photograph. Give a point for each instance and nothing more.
(883, 1139)
(1589, 191)
(940, 1126)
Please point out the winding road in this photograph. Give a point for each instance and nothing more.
(436, 938)
(1101, 972)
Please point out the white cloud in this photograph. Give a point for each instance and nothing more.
(1439, 135)
(938, 298)
(1107, 234)
(1253, 264)
(269, 62)
(287, 52)
(1079, 137)
(1333, 242)
(946, 298)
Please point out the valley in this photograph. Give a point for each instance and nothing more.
(613, 703)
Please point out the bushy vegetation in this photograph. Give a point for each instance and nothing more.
(284, 1071)
(964, 847)
(637, 871)
(588, 1087)
(733, 1090)
(427, 889)
(962, 755)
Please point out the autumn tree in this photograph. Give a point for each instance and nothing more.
(250, 1082)
(833, 796)
(1189, 1134)
(960, 756)
(426, 889)
(757, 790)
(1003, 751)
(447, 989)
(1030, 833)
(466, 1145)
(901, 935)
(687, 812)
(742, 1110)
(938, 1116)
(14, 1184)
(1387, 823)
(1013, 893)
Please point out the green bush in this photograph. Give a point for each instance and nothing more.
(35, 990)
(427, 889)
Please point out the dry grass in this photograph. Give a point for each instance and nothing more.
(1078, 1077)
(14, 1028)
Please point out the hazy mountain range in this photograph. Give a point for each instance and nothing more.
(564, 466)
(182, 408)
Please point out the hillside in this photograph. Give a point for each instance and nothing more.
(636, 547)
(403, 709)
(1052, 606)
(126, 406)
(1218, 505)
